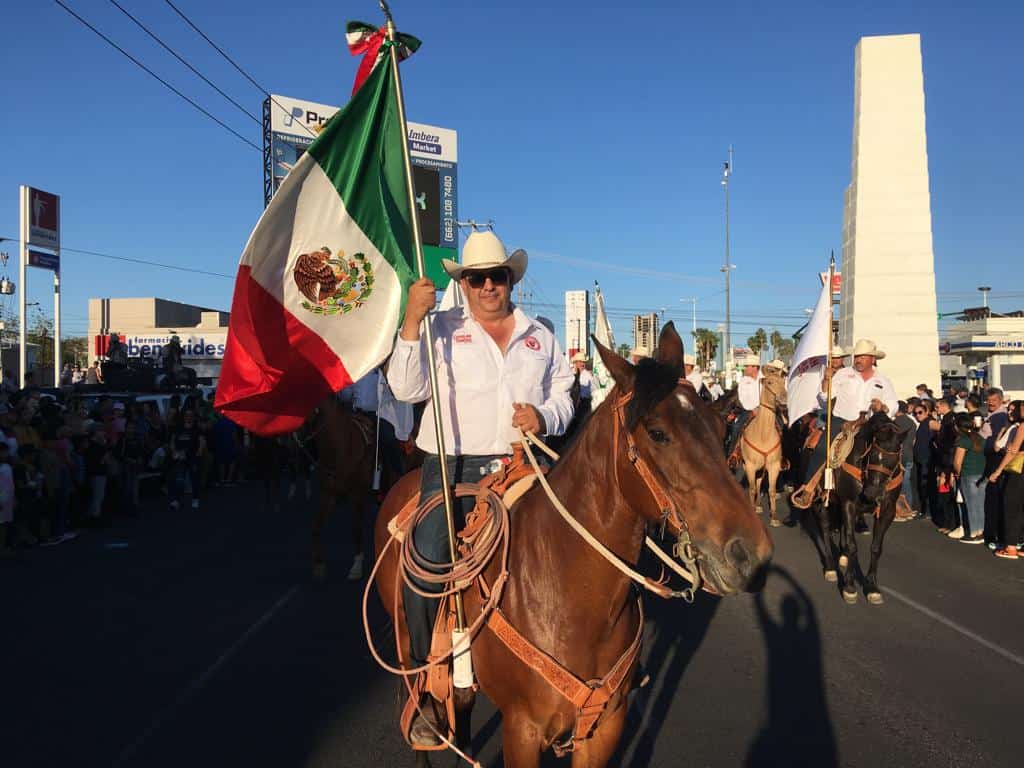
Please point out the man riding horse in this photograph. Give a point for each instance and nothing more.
(856, 390)
(693, 375)
(499, 371)
(749, 395)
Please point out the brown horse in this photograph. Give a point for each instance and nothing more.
(761, 445)
(345, 466)
(561, 595)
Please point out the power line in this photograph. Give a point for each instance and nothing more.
(144, 262)
(157, 77)
(233, 63)
(195, 71)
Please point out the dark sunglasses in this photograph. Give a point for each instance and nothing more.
(496, 276)
(920, 413)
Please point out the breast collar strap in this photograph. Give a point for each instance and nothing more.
(671, 517)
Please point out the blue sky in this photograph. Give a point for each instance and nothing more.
(592, 133)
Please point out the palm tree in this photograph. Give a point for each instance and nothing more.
(706, 342)
(758, 341)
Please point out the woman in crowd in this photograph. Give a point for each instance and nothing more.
(186, 447)
(969, 468)
(1010, 469)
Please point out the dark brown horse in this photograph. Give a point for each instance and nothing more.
(566, 599)
(345, 465)
(868, 483)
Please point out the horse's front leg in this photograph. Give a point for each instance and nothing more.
(882, 523)
(323, 512)
(848, 550)
(821, 512)
(773, 479)
(357, 504)
(521, 740)
(753, 486)
(597, 751)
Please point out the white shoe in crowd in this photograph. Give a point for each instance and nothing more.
(956, 533)
(355, 573)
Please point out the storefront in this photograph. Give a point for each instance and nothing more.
(145, 325)
(990, 347)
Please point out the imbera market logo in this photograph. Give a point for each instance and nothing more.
(193, 347)
(421, 141)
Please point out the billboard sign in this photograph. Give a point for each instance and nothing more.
(43, 219)
(42, 260)
(291, 125)
(201, 346)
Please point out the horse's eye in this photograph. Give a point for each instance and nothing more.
(657, 436)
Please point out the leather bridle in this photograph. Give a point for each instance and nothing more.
(671, 516)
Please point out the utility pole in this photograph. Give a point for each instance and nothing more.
(727, 268)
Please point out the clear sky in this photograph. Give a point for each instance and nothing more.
(592, 133)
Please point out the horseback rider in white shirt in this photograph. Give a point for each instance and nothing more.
(693, 375)
(748, 394)
(499, 371)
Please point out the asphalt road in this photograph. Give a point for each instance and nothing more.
(196, 638)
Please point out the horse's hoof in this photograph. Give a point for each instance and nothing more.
(831, 577)
(849, 597)
(844, 562)
(775, 522)
(319, 571)
(355, 573)
(875, 598)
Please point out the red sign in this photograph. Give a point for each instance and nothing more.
(43, 214)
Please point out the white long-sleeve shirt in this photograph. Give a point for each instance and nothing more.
(854, 395)
(586, 383)
(477, 384)
(749, 391)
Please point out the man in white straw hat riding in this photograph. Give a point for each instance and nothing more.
(748, 394)
(855, 390)
(499, 371)
(693, 375)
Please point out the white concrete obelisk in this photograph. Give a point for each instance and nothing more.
(888, 268)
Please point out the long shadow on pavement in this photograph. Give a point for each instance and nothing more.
(798, 730)
(679, 631)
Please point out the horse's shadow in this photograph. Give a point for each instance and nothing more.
(797, 730)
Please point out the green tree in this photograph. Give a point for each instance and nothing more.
(623, 350)
(785, 349)
(758, 341)
(75, 350)
(776, 339)
(706, 342)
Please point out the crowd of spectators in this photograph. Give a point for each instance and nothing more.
(74, 464)
(963, 466)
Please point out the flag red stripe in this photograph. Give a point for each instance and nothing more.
(275, 369)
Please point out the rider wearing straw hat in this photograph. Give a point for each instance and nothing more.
(748, 392)
(583, 376)
(499, 371)
(855, 390)
(693, 375)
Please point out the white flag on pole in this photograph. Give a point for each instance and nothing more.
(603, 382)
(810, 359)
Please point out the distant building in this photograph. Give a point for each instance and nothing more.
(990, 347)
(146, 325)
(577, 322)
(645, 332)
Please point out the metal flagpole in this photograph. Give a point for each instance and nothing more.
(460, 617)
(829, 484)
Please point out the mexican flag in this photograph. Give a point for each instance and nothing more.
(322, 281)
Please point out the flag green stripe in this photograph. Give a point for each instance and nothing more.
(360, 152)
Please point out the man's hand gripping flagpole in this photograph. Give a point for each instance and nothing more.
(463, 670)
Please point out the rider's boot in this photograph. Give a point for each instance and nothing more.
(425, 725)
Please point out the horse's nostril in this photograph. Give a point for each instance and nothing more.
(737, 555)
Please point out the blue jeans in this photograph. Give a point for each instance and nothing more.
(431, 539)
(180, 472)
(974, 501)
(908, 482)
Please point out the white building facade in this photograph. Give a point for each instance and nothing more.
(645, 332)
(991, 349)
(577, 322)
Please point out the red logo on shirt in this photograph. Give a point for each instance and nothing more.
(532, 343)
(463, 338)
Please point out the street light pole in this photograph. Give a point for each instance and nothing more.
(727, 268)
(984, 294)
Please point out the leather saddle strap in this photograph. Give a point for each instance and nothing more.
(853, 471)
(763, 453)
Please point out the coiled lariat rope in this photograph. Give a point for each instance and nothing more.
(490, 535)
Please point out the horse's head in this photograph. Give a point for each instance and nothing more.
(882, 461)
(672, 432)
(774, 387)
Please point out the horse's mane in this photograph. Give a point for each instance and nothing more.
(654, 382)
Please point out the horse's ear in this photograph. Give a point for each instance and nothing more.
(670, 347)
(622, 370)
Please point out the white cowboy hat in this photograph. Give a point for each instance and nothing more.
(483, 250)
(776, 364)
(838, 351)
(746, 360)
(580, 357)
(867, 347)
(689, 360)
